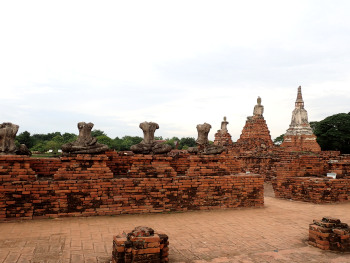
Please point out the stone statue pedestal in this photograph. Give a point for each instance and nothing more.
(151, 166)
(207, 165)
(16, 168)
(223, 139)
(84, 167)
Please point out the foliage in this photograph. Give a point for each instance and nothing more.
(53, 141)
(25, 138)
(187, 142)
(278, 140)
(333, 133)
(97, 133)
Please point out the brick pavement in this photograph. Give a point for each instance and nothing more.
(275, 233)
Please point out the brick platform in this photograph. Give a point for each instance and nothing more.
(142, 245)
(330, 234)
(302, 142)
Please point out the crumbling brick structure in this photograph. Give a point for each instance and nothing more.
(84, 185)
(330, 234)
(255, 135)
(142, 245)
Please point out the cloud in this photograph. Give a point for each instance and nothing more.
(176, 63)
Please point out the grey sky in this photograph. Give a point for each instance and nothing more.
(181, 63)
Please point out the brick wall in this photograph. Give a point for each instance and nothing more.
(45, 167)
(312, 189)
(86, 186)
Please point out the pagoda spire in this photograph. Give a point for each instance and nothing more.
(299, 103)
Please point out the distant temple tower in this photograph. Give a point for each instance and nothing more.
(255, 134)
(299, 136)
(222, 137)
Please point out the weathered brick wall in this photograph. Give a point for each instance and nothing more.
(340, 165)
(85, 186)
(128, 195)
(299, 164)
(119, 162)
(300, 143)
(311, 189)
(45, 167)
(180, 162)
(262, 164)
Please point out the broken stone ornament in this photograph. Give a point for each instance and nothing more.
(203, 143)
(148, 145)
(85, 143)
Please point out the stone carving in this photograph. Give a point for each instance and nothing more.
(8, 133)
(224, 126)
(23, 150)
(148, 145)
(203, 143)
(258, 109)
(85, 143)
(299, 124)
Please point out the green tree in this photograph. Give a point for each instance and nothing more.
(278, 140)
(69, 137)
(333, 133)
(187, 141)
(104, 139)
(96, 133)
(25, 138)
(128, 141)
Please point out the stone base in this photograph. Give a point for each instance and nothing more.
(140, 246)
(295, 143)
(330, 234)
(151, 166)
(223, 139)
(84, 167)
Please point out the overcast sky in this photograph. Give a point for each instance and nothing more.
(177, 63)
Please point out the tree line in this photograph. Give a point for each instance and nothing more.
(333, 133)
(53, 141)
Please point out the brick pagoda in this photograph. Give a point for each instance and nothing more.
(255, 134)
(222, 137)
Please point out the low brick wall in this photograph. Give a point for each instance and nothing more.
(45, 167)
(313, 189)
(85, 186)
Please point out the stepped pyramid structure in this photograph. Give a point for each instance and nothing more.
(299, 136)
(222, 137)
(255, 134)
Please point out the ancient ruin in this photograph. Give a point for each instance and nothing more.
(85, 143)
(330, 234)
(222, 137)
(203, 145)
(255, 134)
(8, 133)
(299, 136)
(93, 181)
(148, 145)
(140, 245)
